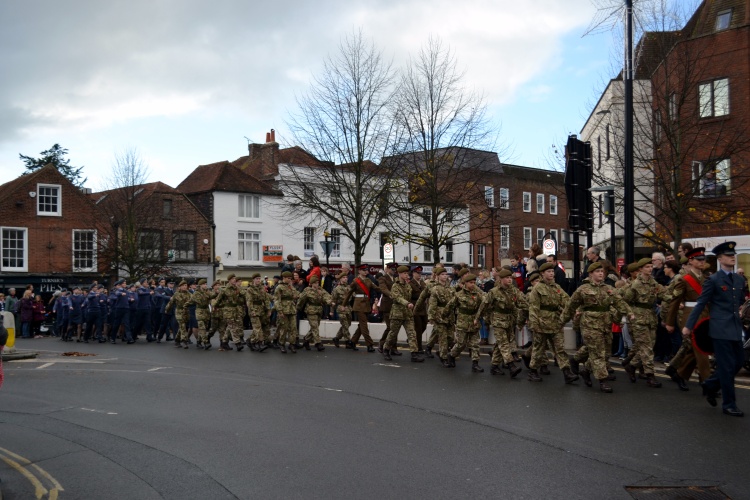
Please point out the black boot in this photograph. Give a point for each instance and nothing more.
(514, 370)
(336, 342)
(476, 368)
(526, 359)
(570, 377)
(451, 361)
(428, 352)
(262, 346)
(395, 352)
(353, 346)
(306, 345)
(445, 363)
(369, 348)
(631, 372)
(544, 370)
(534, 375)
(672, 372)
(416, 358)
(293, 348)
(604, 387)
(275, 344)
(496, 370)
(319, 346)
(387, 355)
(282, 348)
(652, 382)
(574, 365)
(586, 375)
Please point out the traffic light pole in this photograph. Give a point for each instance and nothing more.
(629, 194)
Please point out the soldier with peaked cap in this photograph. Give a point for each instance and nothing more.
(285, 302)
(402, 314)
(343, 309)
(311, 301)
(232, 300)
(723, 294)
(259, 309)
(363, 290)
(465, 305)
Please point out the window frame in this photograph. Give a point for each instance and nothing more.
(194, 250)
(489, 196)
(723, 176)
(242, 204)
(243, 242)
(527, 201)
(504, 237)
(720, 16)
(712, 84)
(540, 233)
(551, 198)
(504, 198)
(308, 239)
(481, 255)
(159, 238)
(527, 238)
(93, 250)
(335, 236)
(167, 208)
(25, 250)
(540, 197)
(40, 196)
(449, 251)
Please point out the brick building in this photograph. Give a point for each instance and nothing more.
(49, 233)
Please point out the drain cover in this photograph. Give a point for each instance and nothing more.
(676, 493)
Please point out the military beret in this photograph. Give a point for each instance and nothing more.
(508, 268)
(286, 274)
(643, 262)
(402, 269)
(463, 271)
(391, 265)
(439, 270)
(633, 267)
(696, 252)
(504, 273)
(231, 276)
(255, 275)
(534, 275)
(683, 260)
(417, 269)
(217, 282)
(726, 248)
(468, 277)
(341, 275)
(183, 282)
(594, 266)
(545, 266)
(314, 279)
(202, 282)
(143, 280)
(117, 283)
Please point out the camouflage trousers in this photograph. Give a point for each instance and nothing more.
(218, 324)
(442, 333)
(203, 317)
(286, 328)
(395, 327)
(688, 359)
(608, 336)
(261, 328)
(362, 329)
(539, 351)
(233, 320)
(182, 322)
(593, 353)
(313, 336)
(345, 319)
(642, 352)
(465, 339)
(503, 350)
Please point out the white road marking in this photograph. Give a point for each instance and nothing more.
(45, 365)
(387, 364)
(334, 390)
(158, 368)
(98, 411)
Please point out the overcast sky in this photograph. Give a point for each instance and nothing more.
(185, 81)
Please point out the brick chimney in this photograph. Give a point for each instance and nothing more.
(265, 156)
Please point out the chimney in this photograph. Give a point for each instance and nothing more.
(273, 135)
(268, 137)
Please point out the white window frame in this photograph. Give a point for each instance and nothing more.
(723, 175)
(556, 237)
(25, 266)
(148, 253)
(93, 267)
(308, 241)
(527, 201)
(489, 196)
(242, 206)
(449, 251)
(540, 232)
(723, 20)
(481, 253)
(552, 204)
(335, 237)
(471, 255)
(527, 238)
(504, 237)
(40, 196)
(251, 239)
(504, 198)
(707, 98)
(427, 254)
(184, 255)
(540, 203)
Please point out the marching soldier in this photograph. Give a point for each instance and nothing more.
(311, 301)
(402, 315)
(592, 301)
(232, 301)
(503, 302)
(284, 299)
(179, 302)
(441, 294)
(546, 301)
(420, 308)
(466, 304)
(202, 298)
(218, 324)
(259, 309)
(385, 283)
(424, 302)
(343, 309)
(362, 289)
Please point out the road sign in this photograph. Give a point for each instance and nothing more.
(549, 247)
(388, 252)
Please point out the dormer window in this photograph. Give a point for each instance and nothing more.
(49, 201)
(723, 19)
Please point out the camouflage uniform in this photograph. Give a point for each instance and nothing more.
(344, 310)
(179, 302)
(401, 315)
(466, 303)
(259, 309)
(442, 320)
(546, 302)
(312, 301)
(232, 301)
(503, 303)
(217, 320)
(201, 299)
(420, 309)
(641, 295)
(284, 299)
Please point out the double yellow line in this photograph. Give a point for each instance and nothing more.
(35, 474)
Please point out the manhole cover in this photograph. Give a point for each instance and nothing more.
(676, 493)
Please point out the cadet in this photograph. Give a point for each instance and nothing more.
(402, 315)
(343, 309)
(75, 318)
(385, 283)
(641, 295)
(232, 301)
(94, 313)
(311, 301)
(362, 289)
(420, 308)
(465, 303)
(503, 302)
(142, 320)
(284, 299)
(546, 301)
(424, 301)
(201, 298)
(218, 323)
(259, 309)
(180, 302)
(442, 321)
(592, 302)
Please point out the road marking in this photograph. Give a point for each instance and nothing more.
(98, 411)
(45, 365)
(158, 368)
(65, 361)
(20, 463)
(389, 365)
(334, 390)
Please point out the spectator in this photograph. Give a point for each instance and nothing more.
(519, 271)
(658, 260)
(560, 277)
(593, 254)
(314, 268)
(533, 263)
(38, 315)
(26, 313)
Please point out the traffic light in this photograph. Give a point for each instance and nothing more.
(578, 183)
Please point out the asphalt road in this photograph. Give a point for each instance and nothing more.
(151, 421)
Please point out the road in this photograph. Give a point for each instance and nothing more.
(151, 421)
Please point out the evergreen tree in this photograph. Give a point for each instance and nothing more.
(56, 156)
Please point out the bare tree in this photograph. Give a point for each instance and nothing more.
(445, 144)
(343, 121)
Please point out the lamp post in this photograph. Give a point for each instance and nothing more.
(610, 213)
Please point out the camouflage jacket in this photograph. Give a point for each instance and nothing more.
(258, 300)
(231, 297)
(180, 302)
(466, 304)
(596, 302)
(641, 296)
(312, 301)
(440, 297)
(284, 299)
(201, 299)
(401, 297)
(424, 297)
(503, 302)
(546, 302)
(339, 294)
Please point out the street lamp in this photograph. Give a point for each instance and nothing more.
(609, 211)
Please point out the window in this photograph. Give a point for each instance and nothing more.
(449, 251)
(336, 239)
(540, 232)
(183, 244)
(713, 98)
(504, 198)
(471, 255)
(489, 196)
(48, 199)
(166, 209)
(539, 203)
(608, 141)
(526, 238)
(599, 152)
(657, 126)
(84, 250)
(14, 248)
(504, 237)
(723, 19)
(526, 201)
(249, 207)
(427, 254)
(714, 179)
(149, 244)
(553, 233)
(673, 106)
(309, 242)
(249, 246)
(480, 256)
(552, 204)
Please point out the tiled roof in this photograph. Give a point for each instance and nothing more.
(147, 190)
(293, 156)
(223, 176)
(463, 158)
(533, 174)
